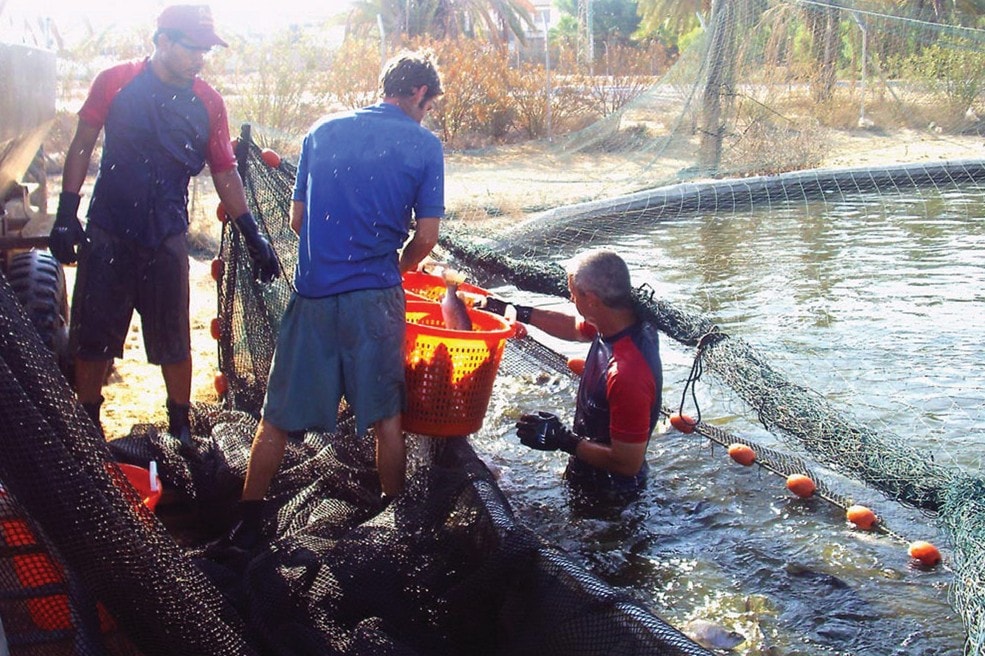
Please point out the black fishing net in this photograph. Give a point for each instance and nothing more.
(830, 435)
(87, 568)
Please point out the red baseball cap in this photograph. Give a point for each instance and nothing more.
(194, 22)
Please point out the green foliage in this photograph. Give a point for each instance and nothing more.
(492, 20)
(613, 21)
(670, 20)
(689, 38)
(955, 76)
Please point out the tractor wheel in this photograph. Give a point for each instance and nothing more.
(39, 283)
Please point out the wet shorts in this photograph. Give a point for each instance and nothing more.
(348, 345)
(115, 277)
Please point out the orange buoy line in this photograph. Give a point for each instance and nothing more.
(805, 485)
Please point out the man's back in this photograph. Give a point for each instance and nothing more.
(362, 176)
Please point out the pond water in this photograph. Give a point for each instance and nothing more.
(876, 306)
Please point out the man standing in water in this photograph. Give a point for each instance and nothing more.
(619, 396)
(362, 177)
(163, 124)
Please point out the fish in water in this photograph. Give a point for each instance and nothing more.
(711, 635)
(453, 309)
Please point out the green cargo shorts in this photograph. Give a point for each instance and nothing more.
(348, 345)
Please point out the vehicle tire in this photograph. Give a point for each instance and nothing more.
(39, 283)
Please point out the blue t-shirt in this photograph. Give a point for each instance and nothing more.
(362, 175)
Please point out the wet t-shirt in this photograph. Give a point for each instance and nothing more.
(363, 175)
(619, 398)
(156, 137)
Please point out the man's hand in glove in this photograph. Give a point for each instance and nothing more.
(67, 232)
(265, 265)
(543, 431)
(498, 306)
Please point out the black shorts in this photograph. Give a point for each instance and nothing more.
(116, 277)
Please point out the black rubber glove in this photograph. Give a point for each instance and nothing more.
(67, 232)
(265, 265)
(498, 306)
(543, 431)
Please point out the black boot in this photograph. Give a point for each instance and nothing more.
(92, 409)
(178, 423)
(248, 531)
(243, 538)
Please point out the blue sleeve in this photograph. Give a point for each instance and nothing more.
(431, 193)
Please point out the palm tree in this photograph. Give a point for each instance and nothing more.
(494, 20)
(671, 17)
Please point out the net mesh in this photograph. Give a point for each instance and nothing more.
(86, 568)
(830, 435)
(759, 112)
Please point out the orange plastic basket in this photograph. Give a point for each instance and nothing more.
(420, 286)
(450, 373)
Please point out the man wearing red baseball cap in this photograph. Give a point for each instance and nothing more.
(163, 124)
(192, 21)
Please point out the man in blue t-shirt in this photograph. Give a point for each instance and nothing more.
(365, 178)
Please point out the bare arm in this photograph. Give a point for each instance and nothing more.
(562, 325)
(297, 216)
(78, 157)
(229, 186)
(424, 240)
(619, 457)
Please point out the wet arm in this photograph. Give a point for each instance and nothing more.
(229, 186)
(623, 458)
(297, 216)
(562, 325)
(420, 245)
(78, 157)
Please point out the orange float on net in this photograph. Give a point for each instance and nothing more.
(576, 365)
(862, 517)
(218, 268)
(216, 328)
(742, 454)
(270, 158)
(924, 552)
(221, 384)
(683, 423)
(801, 485)
(220, 213)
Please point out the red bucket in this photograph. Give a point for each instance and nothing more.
(450, 373)
(140, 479)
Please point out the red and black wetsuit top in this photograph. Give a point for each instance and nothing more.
(156, 137)
(619, 400)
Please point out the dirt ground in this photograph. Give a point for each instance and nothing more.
(520, 177)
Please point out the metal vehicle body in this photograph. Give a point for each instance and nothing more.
(27, 111)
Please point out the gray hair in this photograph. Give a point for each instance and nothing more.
(604, 274)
